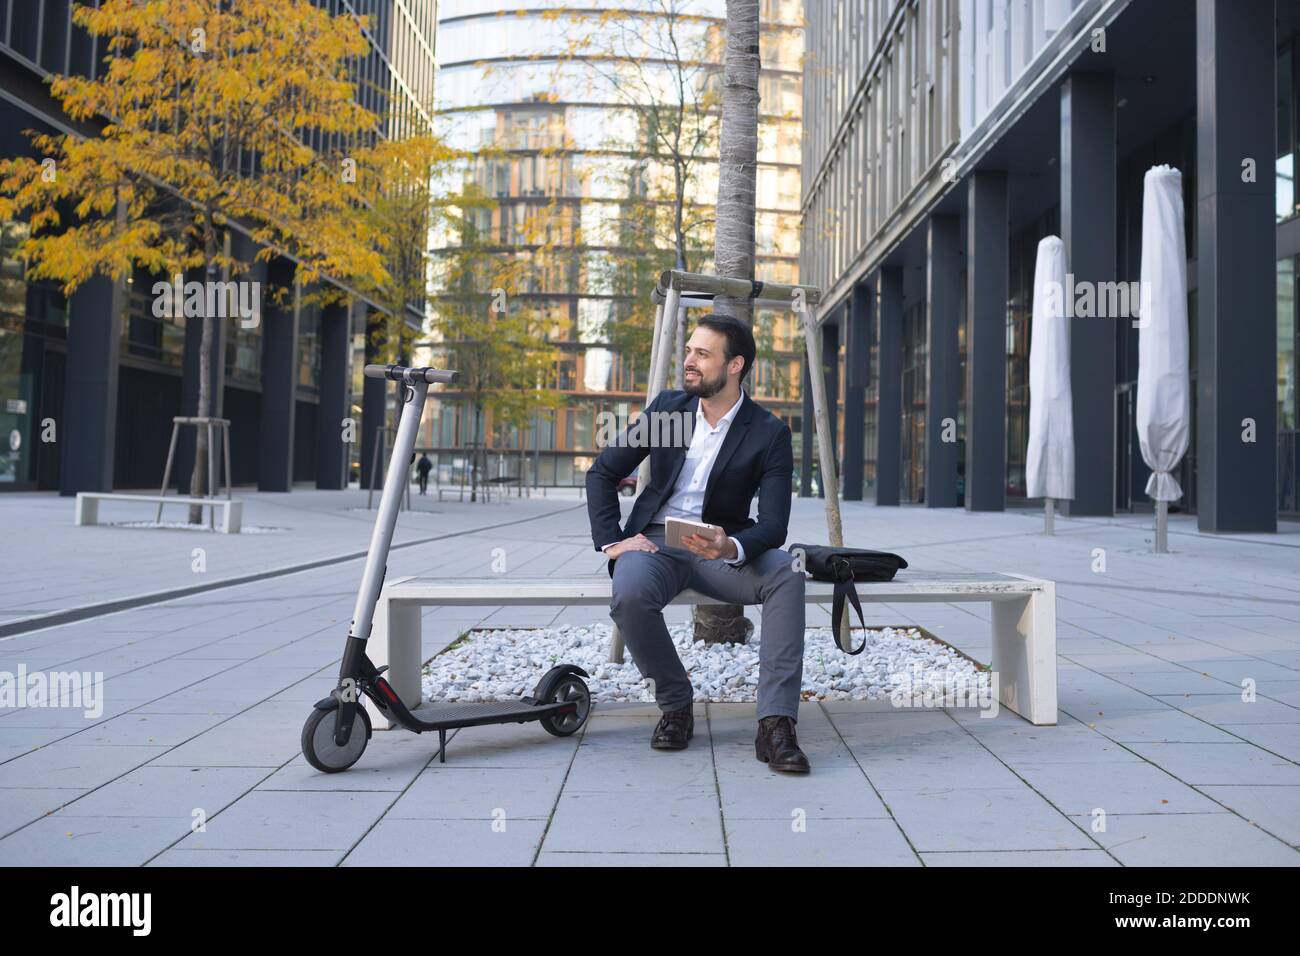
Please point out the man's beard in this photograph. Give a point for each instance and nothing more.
(704, 388)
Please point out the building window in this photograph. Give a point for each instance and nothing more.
(1288, 497)
(309, 349)
(1286, 134)
(1020, 312)
(1286, 345)
(243, 353)
(17, 403)
(149, 336)
(13, 283)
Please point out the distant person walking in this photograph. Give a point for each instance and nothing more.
(422, 469)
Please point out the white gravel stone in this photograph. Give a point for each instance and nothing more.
(507, 662)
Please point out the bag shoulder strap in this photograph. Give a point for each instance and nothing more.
(842, 589)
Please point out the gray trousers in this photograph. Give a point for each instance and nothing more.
(644, 583)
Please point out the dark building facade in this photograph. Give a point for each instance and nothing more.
(945, 138)
(101, 374)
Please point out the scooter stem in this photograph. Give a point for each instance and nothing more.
(381, 539)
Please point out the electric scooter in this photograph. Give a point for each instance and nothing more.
(336, 733)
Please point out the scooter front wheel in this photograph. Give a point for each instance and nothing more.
(318, 744)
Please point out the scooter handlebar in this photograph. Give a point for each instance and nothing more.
(400, 373)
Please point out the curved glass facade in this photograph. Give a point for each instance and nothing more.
(549, 94)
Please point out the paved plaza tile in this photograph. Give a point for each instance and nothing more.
(1177, 741)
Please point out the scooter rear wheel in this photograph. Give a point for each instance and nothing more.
(569, 688)
(318, 741)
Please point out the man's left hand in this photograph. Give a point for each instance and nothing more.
(714, 546)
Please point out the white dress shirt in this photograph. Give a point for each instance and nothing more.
(687, 498)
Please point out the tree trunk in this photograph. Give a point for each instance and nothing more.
(198, 477)
(679, 330)
(523, 458)
(474, 452)
(733, 251)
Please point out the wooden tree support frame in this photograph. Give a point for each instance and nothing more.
(678, 291)
(223, 424)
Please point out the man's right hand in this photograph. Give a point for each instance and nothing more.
(638, 542)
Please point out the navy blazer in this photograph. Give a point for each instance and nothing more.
(756, 457)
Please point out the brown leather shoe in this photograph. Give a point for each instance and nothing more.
(675, 727)
(777, 747)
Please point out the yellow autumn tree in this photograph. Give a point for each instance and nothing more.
(211, 116)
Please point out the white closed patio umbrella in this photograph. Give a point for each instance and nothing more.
(1049, 466)
(1163, 383)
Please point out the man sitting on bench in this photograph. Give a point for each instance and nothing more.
(736, 449)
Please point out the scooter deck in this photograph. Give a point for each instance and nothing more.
(444, 716)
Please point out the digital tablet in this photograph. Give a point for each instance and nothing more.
(674, 528)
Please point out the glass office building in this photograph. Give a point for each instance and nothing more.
(529, 82)
(135, 371)
(947, 137)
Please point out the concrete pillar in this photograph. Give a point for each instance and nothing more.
(335, 396)
(809, 452)
(280, 326)
(943, 368)
(857, 373)
(831, 369)
(889, 385)
(1088, 230)
(374, 394)
(1236, 243)
(808, 434)
(88, 431)
(987, 246)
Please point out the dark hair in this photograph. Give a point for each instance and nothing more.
(740, 340)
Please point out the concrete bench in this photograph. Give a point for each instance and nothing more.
(460, 493)
(1024, 621)
(231, 510)
(500, 487)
